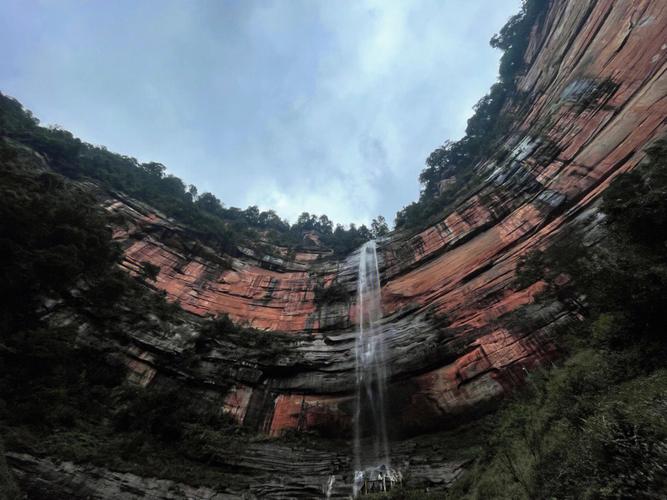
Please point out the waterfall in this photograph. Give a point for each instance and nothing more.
(371, 446)
(330, 483)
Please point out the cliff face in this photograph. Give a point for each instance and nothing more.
(593, 96)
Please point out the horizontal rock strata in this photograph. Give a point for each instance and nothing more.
(592, 97)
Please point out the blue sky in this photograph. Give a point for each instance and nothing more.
(326, 106)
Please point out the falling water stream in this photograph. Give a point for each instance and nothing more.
(371, 446)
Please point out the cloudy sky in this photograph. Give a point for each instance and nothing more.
(326, 106)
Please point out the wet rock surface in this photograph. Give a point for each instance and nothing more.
(262, 470)
(45, 479)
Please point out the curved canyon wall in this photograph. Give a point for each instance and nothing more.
(593, 96)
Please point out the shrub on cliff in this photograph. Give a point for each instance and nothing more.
(223, 227)
(150, 270)
(331, 294)
(262, 344)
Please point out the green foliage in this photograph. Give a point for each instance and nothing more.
(164, 413)
(379, 227)
(331, 294)
(624, 275)
(569, 436)
(157, 412)
(221, 325)
(513, 38)
(149, 182)
(340, 239)
(50, 381)
(346, 240)
(635, 202)
(593, 426)
(265, 344)
(218, 328)
(53, 238)
(211, 443)
(150, 270)
(51, 235)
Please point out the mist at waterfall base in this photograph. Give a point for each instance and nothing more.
(371, 445)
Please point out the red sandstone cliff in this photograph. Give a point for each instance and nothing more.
(593, 96)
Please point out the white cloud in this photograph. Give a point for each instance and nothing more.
(326, 107)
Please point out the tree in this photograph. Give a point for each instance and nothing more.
(251, 215)
(364, 232)
(325, 225)
(379, 227)
(209, 202)
(172, 186)
(303, 221)
(150, 270)
(154, 168)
